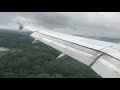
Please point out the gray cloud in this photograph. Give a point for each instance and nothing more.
(50, 19)
(87, 23)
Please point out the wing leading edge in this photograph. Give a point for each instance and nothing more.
(102, 57)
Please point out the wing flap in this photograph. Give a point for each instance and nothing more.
(107, 67)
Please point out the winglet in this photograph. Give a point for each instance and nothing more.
(20, 27)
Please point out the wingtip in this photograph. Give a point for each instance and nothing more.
(20, 27)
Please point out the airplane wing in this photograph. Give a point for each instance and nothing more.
(103, 57)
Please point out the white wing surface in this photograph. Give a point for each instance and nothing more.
(103, 57)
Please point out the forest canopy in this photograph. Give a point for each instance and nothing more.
(27, 60)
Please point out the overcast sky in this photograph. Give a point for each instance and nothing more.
(77, 23)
